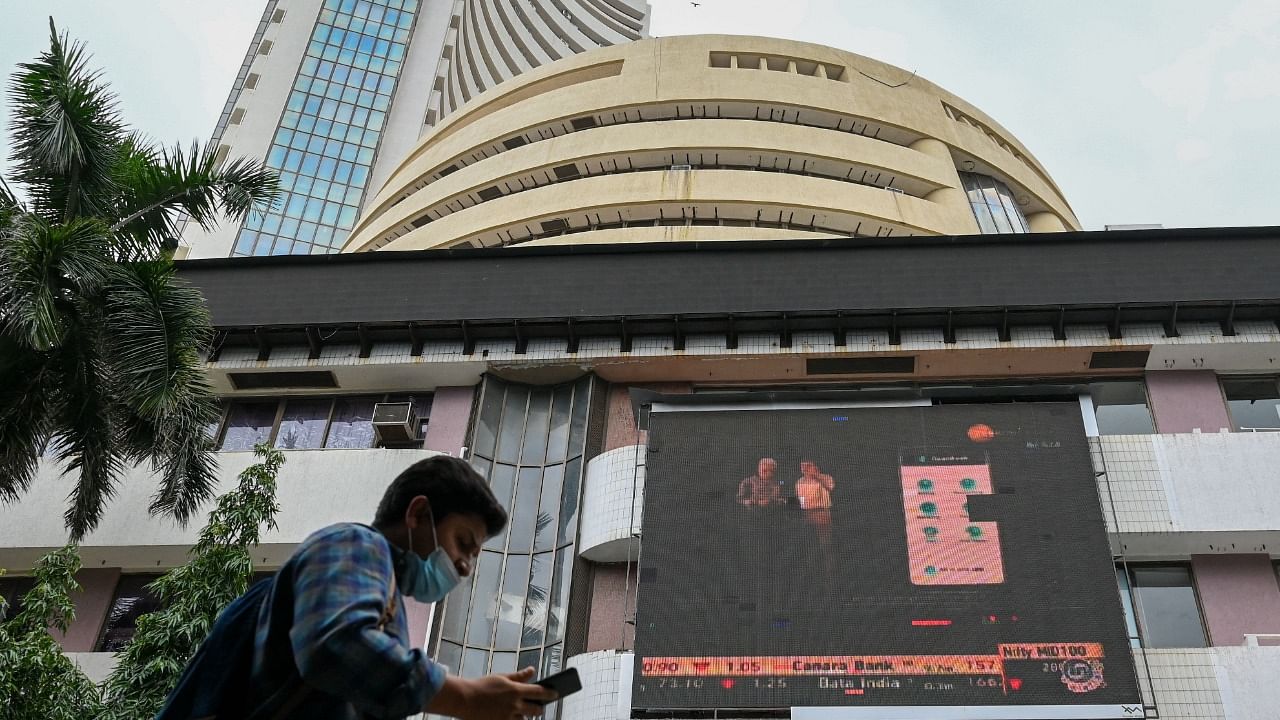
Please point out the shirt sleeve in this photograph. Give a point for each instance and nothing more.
(341, 585)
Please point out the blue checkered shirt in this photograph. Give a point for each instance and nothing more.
(340, 587)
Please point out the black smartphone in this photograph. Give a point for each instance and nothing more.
(565, 682)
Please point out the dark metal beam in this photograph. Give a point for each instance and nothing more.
(784, 335)
(731, 334)
(1060, 327)
(1004, 333)
(314, 343)
(1171, 322)
(571, 337)
(264, 344)
(522, 340)
(949, 330)
(678, 332)
(366, 342)
(626, 335)
(417, 340)
(468, 340)
(839, 330)
(1113, 328)
(895, 334)
(1229, 322)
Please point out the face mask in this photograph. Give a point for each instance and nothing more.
(429, 580)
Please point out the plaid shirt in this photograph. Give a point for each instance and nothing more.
(341, 579)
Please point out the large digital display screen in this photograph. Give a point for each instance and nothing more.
(951, 555)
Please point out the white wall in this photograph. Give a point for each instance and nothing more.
(315, 488)
(611, 505)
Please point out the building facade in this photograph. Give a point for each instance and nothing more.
(532, 363)
(710, 137)
(329, 88)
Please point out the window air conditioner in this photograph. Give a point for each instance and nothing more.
(395, 423)
(681, 167)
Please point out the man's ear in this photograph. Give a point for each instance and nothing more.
(418, 512)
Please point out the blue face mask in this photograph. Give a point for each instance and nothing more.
(428, 580)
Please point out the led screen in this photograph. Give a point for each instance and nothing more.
(953, 555)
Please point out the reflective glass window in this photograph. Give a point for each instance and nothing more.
(248, 423)
(1121, 408)
(511, 605)
(352, 425)
(535, 429)
(545, 530)
(450, 656)
(1254, 403)
(524, 513)
(484, 605)
(502, 481)
(131, 601)
(475, 663)
(512, 428)
(535, 612)
(993, 204)
(1168, 611)
(560, 594)
(303, 423)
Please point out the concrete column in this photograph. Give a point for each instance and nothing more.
(606, 628)
(1183, 401)
(953, 198)
(450, 416)
(1238, 594)
(1045, 222)
(620, 420)
(98, 587)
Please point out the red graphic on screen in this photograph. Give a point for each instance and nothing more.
(981, 433)
(944, 546)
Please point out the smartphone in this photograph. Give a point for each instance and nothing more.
(565, 682)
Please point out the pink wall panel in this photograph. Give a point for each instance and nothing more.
(1239, 594)
(450, 415)
(607, 629)
(92, 603)
(1183, 401)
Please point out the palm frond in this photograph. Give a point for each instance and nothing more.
(89, 425)
(193, 182)
(66, 132)
(155, 327)
(43, 268)
(28, 391)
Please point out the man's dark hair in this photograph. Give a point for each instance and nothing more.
(450, 485)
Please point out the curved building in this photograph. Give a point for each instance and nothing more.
(710, 137)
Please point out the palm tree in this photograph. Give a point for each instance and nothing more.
(99, 343)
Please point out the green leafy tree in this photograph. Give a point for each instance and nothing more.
(99, 343)
(192, 595)
(38, 682)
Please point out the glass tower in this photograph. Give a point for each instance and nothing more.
(327, 138)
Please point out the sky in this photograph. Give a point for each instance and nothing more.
(1143, 111)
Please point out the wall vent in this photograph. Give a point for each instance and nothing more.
(275, 380)
(895, 365)
(1119, 360)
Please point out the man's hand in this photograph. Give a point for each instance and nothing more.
(493, 697)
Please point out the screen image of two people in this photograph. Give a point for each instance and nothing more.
(811, 493)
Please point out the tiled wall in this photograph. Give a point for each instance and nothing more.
(612, 502)
(601, 698)
(1131, 489)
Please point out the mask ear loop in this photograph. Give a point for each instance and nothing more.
(435, 540)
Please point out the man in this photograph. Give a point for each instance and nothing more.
(347, 652)
(813, 491)
(760, 490)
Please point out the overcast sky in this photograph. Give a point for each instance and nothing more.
(1143, 111)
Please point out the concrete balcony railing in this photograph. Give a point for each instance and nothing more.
(95, 665)
(315, 488)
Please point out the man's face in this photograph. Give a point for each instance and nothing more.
(460, 534)
(765, 469)
(809, 469)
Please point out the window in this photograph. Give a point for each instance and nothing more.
(310, 423)
(132, 600)
(993, 205)
(237, 116)
(528, 441)
(1121, 408)
(12, 589)
(264, 48)
(1254, 403)
(1167, 609)
(277, 16)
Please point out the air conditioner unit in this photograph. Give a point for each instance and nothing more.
(395, 423)
(681, 167)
